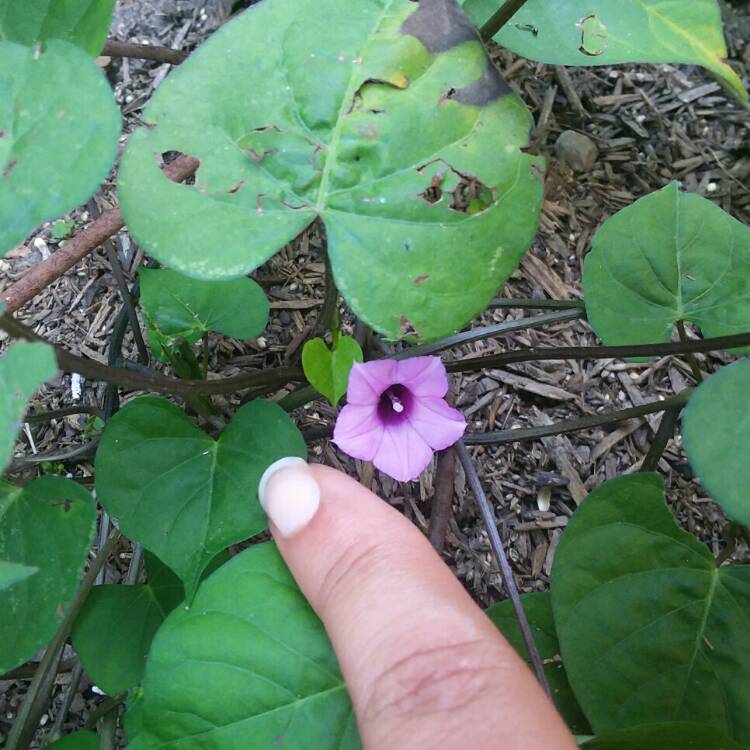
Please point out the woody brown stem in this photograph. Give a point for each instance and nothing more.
(79, 246)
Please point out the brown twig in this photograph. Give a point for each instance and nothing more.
(113, 48)
(442, 501)
(80, 245)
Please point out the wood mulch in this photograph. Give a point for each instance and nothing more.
(651, 124)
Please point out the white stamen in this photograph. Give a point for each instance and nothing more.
(398, 407)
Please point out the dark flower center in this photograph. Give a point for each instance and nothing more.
(395, 404)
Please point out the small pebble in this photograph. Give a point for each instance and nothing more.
(578, 150)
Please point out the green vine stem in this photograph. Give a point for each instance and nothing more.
(506, 572)
(36, 698)
(664, 434)
(545, 354)
(499, 18)
(692, 361)
(532, 433)
(486, 332)
(152, 381)
(529, 303)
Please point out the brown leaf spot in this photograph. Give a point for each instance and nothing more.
(407, 328)
(421, 279)
(9, 168)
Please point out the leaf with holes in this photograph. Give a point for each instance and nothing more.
(650, 629)
(248, 665)
(601, 32)
(23, 368)
(47, 525)
(390, 125)
(59, 126)
(181, 494)
(678, 735)
(670, 256)
(84, 23)
(328, 369)
(538, 609)
(716, 430)
(180, 308)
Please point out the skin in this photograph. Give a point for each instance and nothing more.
(424, 666)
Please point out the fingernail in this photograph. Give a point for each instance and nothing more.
(289, 495)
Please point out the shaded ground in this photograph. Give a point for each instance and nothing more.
(651, 124)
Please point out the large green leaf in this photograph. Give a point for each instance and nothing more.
(113, 633)
(23, 368)
(76, 741)
(48, 525)
(178, 492)
(716, 431)
(682, 735)
(376, 116)
(59, 127)
(670, 256)
(606, 32)
(650, 629)
(81, 22)
(248, 665)
(179, 307)
(538, 609)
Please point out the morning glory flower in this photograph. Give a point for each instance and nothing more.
(396, 415)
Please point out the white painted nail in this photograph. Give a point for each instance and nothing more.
(289, 495)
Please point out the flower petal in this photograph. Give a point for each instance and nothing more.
(423, 376)
(402, 454)
(358, 431)
(367, 380)
(438, 423)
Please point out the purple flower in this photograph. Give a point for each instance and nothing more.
(396, 415)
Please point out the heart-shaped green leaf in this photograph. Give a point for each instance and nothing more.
(76, 741)
(390, 124)
(538, 609)
(47, 525)
(328, 369)
(716, 431)
(59, 127)
(680, 735)
(601, 32)
(113, 633)
(179, 307)
(23, 368)
(178, 492)
(114, 630)
(670, 256)
(650, 629)
(81, 22)
(248, 665)
(11, 573)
